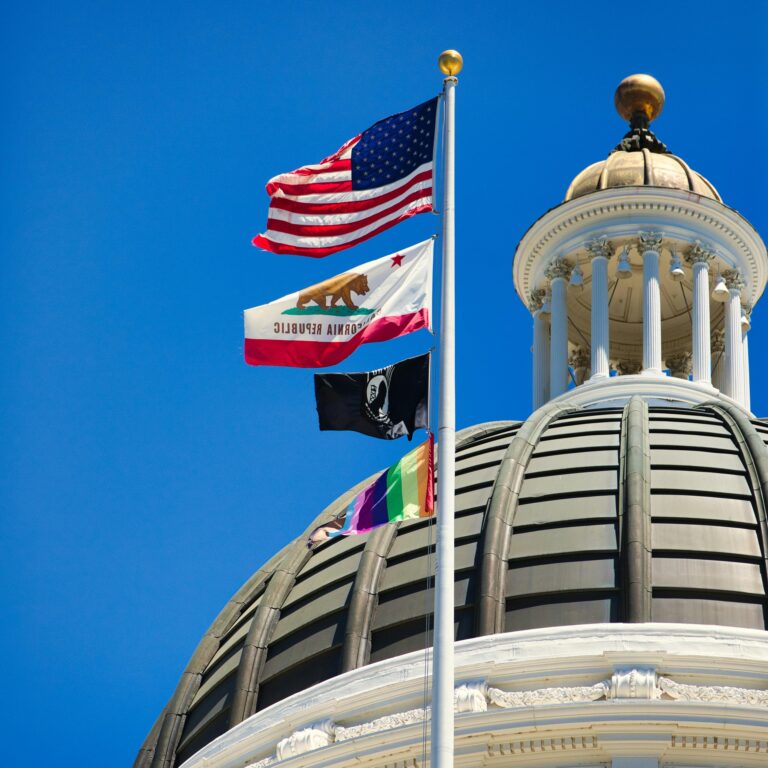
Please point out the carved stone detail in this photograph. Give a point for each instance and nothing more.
(718, 341)
(600, 247)
(558, 267)
(313, 737)
(529, 746)
(537, 298)
(471, 696)
(629, 208)
(729, 743)
(510, 699)
(628, 367)
(680, 364)
(634, 684)
(474, 696)
(699, 252)
(385, 723)
(733, 279)
(649, 241)
(580, 360)
(267, 761)
(716, 693)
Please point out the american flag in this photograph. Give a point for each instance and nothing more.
(378, 178)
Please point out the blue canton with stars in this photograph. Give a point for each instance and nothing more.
(394, 147)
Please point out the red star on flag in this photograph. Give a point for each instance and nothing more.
(397, 260)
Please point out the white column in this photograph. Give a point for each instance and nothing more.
(699, 257)
(558, 273)
(540, 348)
(600, 250)
(745, 325)
(734, 354)
(745, 349)
(650, 245)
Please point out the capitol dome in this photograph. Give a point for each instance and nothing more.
(640, 159)
(611, 550)
(558, 552)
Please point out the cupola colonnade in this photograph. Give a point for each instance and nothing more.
(711, 351)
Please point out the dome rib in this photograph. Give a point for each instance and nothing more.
(754, 451)
(260, 632)
(159, 749)
(634, 510)
(357, 638)
(501, 513)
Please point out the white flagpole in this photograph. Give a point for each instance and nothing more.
(442, 657)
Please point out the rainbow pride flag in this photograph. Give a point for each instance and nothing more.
(404, 492)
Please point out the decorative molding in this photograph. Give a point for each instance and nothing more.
(313, 737)
(649, 241)
(733, 279)
(471, 697)
(614, 211)
(537, 298)
(267, 761)
(386, 723)
(629, 367)
(718, 341)
(530, 746)
(558, 267)
(581, 361)
(729, 743)
(680, 364)
(699, 253)
(600, 247)
(719, 694)
(510, 699)
(474, 697)
(634, 684)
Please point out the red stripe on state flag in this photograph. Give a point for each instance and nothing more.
(320, 354)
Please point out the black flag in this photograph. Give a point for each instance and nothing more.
(387, 403)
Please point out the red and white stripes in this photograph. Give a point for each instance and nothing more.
(315, 212)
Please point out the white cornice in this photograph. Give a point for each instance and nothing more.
(621, 212)
(617, 390)
(598, 690)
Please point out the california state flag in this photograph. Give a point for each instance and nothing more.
(327, 322)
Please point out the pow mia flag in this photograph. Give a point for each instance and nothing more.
(387, 403)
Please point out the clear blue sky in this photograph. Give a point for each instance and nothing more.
(146, 471)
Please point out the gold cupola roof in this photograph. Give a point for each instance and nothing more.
(640, 159)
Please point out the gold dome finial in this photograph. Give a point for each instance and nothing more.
(639, 94)
(450, 62)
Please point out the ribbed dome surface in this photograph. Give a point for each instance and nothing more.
(572, 517)
(640, 169)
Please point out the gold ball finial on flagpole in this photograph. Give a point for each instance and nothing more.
(450, 62)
